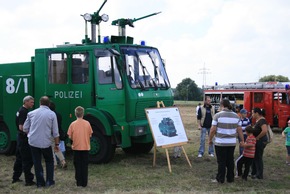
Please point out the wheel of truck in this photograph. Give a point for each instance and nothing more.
(6, 145)
(102, 150)
(139, 148)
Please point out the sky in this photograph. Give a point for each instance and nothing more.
(208, 41)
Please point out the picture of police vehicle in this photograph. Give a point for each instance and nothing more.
(167, 128)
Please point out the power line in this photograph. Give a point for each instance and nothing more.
(204, 71)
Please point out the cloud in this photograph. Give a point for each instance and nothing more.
(246, 40)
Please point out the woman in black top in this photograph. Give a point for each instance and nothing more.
(260, 131)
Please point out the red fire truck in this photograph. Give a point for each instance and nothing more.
(274, 97)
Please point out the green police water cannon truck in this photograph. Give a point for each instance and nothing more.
(114, 80)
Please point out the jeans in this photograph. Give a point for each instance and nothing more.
(48, 157)
(202, 142)
(225, 160)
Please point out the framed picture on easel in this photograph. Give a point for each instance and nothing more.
(166, 126)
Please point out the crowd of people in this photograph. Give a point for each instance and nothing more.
(224, 128)
(40, 135)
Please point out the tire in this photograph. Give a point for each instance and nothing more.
(139, 148)
(6, 145)
(102, 150)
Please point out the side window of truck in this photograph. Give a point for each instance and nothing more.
(108, 72)
(282, 97)
(258, 97)
(57, 68)
(105, 70)
(80, 68)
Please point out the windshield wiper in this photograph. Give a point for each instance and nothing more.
(144, 74)
(131, 78)
(155, 72)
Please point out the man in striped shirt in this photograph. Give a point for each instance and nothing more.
(225, 125)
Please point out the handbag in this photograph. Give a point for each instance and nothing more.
(269, 134)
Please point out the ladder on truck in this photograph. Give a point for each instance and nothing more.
(253, 85)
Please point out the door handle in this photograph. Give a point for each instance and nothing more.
(100, 98)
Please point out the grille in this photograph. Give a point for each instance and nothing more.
(141, 106)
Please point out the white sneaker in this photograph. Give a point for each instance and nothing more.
(199, 156)
(211, 155)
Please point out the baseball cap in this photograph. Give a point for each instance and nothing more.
(243, 111)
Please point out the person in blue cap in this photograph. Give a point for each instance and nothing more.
(245, 122)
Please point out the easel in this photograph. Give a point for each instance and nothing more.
(168, 146)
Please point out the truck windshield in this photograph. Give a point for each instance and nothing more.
(145, 68)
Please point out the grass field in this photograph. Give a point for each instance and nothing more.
(135, 174)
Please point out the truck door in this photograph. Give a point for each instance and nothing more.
(109, 88)
(81, 78)
(58, 87)
(264, 100)
(257, 100)
(70, 83)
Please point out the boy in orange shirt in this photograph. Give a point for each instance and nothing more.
(80, 132)
(248, 154)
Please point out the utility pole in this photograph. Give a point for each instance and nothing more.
(204, 71)
(187, 91)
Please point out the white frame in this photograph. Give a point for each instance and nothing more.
(155, 117)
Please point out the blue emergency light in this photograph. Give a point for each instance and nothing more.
(106, 39)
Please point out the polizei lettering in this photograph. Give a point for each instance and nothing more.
(68, 94)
